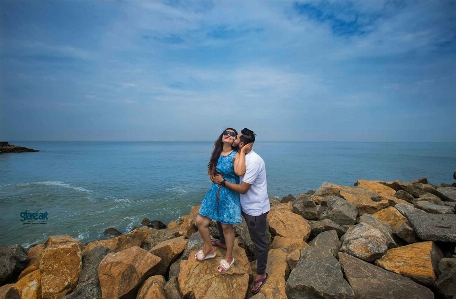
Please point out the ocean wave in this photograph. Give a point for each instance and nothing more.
(178, 190)
(55, 183)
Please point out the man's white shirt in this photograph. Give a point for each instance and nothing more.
(256, 201)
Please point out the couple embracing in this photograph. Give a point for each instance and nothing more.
(239, 188)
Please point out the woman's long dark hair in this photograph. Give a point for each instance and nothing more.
(218, 147)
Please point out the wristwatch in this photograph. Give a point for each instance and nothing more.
(223, 182)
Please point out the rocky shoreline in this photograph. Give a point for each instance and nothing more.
(371, 240)
(6, 148)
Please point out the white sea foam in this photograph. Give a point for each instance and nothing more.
(178, 190)
(55, 183)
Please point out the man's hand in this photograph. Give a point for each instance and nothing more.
(217, 179)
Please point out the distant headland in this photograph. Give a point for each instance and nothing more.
(5, 148)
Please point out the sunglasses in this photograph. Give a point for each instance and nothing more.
(232, 134)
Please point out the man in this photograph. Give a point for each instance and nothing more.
(254, 203)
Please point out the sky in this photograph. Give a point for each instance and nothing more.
(352, 70)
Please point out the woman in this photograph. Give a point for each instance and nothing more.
(220, 203)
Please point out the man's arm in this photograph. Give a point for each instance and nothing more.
(242, 188)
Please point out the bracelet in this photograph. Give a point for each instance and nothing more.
(223, 182)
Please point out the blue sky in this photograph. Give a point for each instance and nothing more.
(184, 70)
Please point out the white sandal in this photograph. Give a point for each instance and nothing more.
(199, 256)
(224, 265)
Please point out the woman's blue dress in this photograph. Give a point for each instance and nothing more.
(229, 205)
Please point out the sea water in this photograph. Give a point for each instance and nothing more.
(81, 188)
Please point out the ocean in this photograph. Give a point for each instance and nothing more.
(81, 188)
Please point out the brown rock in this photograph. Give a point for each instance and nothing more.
(202, 280)
(377, 187)
(277, 270)
(391, 216)
(168, 251)
(29, 286)
(34, 257)
(187, 223)
(60, 266)
(418, 261)
(122, 273)
(289, 245)
(135, 238)
(362, 199)
(9, 291)
(283, 222)
(152, 288)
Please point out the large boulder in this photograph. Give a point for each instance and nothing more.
(369, 281)
(202, 280)
(168, 251)
(448, 193)
(29, 286)
(418, 261)
(135, 238)
(433, 208)
(318, 227)
(338, 210)
(430, 227)
(13, 259)
(385, 229)
(328, 240)
(291, 247)
(278, 270)
(283, 222)
(364, 242)
(88, 283)
(34, 257)
(60, 266)
(446, 283)
(123, 272)
(377, 187)
(152, 288)
(364, 199)
(305, 206)
(398, 222)
(317, 275)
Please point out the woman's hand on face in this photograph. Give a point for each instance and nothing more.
(247, 148)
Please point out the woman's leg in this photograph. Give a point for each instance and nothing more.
(228, 233)
(202, 223)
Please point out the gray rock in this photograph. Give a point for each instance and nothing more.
(317, 252)
(402, 194)
(446, 283)
(431, 198)
(327, 239)
(13, 259)
(433, 208)
(88, 284)
(306, 207)
(318, 277)
(287, 198)
(171, 289)
(430, 227)
(385, 229)
(338, 210)
(365, 242)
(449, 193)
(369, 281)
(112, 231)
(174, 269)
(406, 233)
(195, 242)
(318, 227)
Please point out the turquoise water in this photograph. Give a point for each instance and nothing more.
(86, 187)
